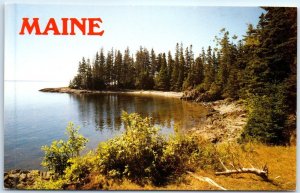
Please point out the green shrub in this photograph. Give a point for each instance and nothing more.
(56, 156)
(80, 167)
(180, 154)
(142, 154)
(267, 117)
(51, 184)
(59, 152)
(134, 154)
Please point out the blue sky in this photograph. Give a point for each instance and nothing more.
(55, 58)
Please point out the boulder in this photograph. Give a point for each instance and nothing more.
(23, 177)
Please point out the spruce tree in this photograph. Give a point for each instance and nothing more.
(175, 71)
(162, 80)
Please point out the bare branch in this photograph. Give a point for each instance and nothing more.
(258, 172)
(206, 179)
(238, 168)
(223, 164)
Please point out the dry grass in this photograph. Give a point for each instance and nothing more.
(281, 163)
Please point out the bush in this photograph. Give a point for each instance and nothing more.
(80, 167)
(59, 152)
(180, 154)
(267, 118)
(56, 156)
(133, 154)
(142, 154)
(51, 184)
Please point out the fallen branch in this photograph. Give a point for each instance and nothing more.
(238, 170)
(206, 179)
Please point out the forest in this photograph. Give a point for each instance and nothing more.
(260, 69)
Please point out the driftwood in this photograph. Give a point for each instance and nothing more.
(239, 169)
(206, 179)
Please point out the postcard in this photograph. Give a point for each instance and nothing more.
(149, 97)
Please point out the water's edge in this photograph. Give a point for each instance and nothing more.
(133, 92)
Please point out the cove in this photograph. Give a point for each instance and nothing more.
(34, 118)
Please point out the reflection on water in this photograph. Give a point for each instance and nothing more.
(165, 112)
(33, 118)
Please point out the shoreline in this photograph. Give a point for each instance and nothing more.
(224, 121)
(170, 94)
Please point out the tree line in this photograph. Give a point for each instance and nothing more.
(259, 68)
(160, 71)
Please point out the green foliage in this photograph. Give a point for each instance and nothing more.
(267, 118)
(181, 153)
(162, 78)
(76, 142)
(56, 156)
(59, 152)
(270, 82)
(142, 154)
(80, 167)
(134, 153)
(51, 184)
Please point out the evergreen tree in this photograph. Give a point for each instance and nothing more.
(79, 81)
(170, 66)
(128, 70)
(198, 72)
(209, 70)
(175, 71)
(154, 67)
(181, 72)
(109, 69)
(98, 71)
(223, 72)
(142, 64)
(162, 80)
(101, 73)
(268, 77)
(118, 69)
(89, 76)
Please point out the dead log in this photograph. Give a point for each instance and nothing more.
(206, 179)
(238, 170)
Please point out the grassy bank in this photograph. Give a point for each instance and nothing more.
(281, 162)
(282, 173)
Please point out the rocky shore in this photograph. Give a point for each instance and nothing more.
(224, 122)
(132, 92)
(21, 179)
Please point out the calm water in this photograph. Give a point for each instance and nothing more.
(33, 118)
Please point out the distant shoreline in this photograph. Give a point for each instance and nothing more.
(134, 92)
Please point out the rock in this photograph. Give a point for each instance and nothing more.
(223, 122)
(23, 177)
(46, 175)
(10, 183)
(25, 172)
(5, 177)
(243, 115)
(21, 186)
(33, 173)
(15, 176)
(20, 179)
(15, 171)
